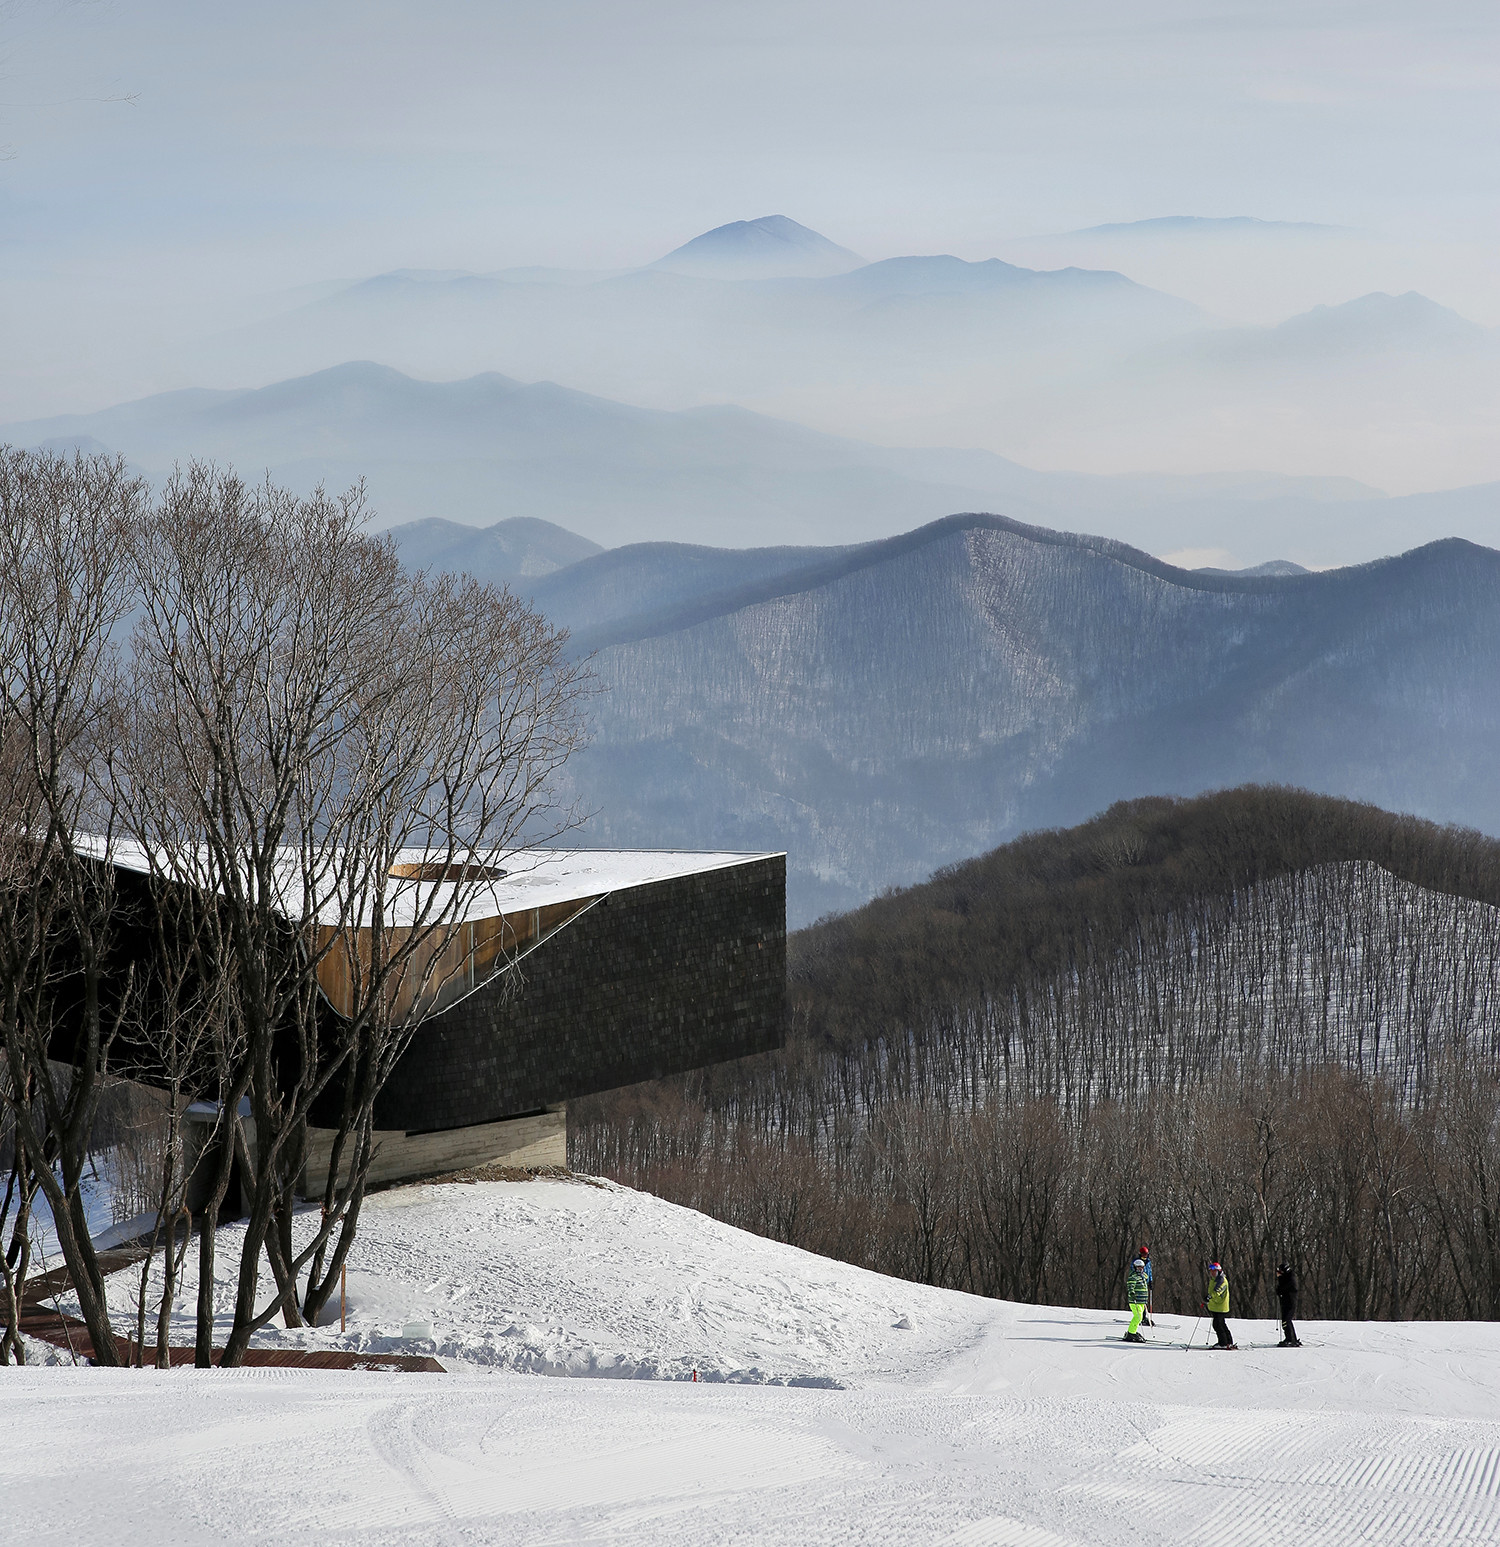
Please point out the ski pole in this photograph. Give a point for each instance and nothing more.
(1194, 1332)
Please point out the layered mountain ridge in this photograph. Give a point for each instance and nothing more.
(1079, 352)
(895, 707)
(490, 448)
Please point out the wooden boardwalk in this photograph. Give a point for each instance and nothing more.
(49, 1325)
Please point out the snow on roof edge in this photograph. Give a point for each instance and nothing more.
(533, 878)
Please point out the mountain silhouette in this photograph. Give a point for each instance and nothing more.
(1379, 322)
(772, 247)
(490, 448)
(516, 552)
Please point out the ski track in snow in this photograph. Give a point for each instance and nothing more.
(815, 1419)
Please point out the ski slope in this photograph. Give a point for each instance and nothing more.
(832, 1406)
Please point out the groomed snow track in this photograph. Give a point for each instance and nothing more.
(921, 1416)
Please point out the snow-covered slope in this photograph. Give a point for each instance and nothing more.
(980, 1422)
(575, 1278)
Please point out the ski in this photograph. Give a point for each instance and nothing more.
(1240, 1347)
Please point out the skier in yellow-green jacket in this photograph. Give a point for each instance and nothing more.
(1137, 1291)
(1217, 1304)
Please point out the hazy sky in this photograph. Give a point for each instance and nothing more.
(167, 161)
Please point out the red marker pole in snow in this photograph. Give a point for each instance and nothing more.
(695, 1377)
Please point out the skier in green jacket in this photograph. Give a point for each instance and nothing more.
(1137, 1289)
(1217, 1304)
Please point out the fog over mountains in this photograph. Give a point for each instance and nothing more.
(1054, 362)
(900, 705)
(761, 384)
(493, 449)
(748, 502)
(1239, 268)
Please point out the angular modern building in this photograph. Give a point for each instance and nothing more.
(576, 971)
(572, 972)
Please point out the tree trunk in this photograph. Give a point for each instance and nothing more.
(203, 1339)
(83, 1270)
(172, 1266)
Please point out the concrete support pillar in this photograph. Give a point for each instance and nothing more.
(537, 1139)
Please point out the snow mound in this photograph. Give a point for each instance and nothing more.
(586, 1278)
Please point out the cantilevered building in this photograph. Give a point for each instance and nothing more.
(577, 971)
(571, 972)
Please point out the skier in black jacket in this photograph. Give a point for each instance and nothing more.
(1286, 1294)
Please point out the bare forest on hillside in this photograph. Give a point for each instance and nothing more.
(1259, 1026)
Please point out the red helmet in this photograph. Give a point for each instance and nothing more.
(1213, 1267)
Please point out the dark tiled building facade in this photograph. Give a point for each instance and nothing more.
(647, 981)
(604, 968)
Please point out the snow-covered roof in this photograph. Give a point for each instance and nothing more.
(529, 878)
(540, 877)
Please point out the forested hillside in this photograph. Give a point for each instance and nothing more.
(898, 706)
(1254, 1025)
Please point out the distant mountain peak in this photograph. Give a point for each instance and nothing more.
(1385, 321)
(1255, 571)
(519, 549)
(1210, 225)
(1411, 303)
(772, 247)
(427, 276)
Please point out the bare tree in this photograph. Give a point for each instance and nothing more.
(15, 1227)
(447, 773)
(354, 751)
(63, 591)
(182, 1039)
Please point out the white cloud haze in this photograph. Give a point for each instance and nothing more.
(173, 168)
